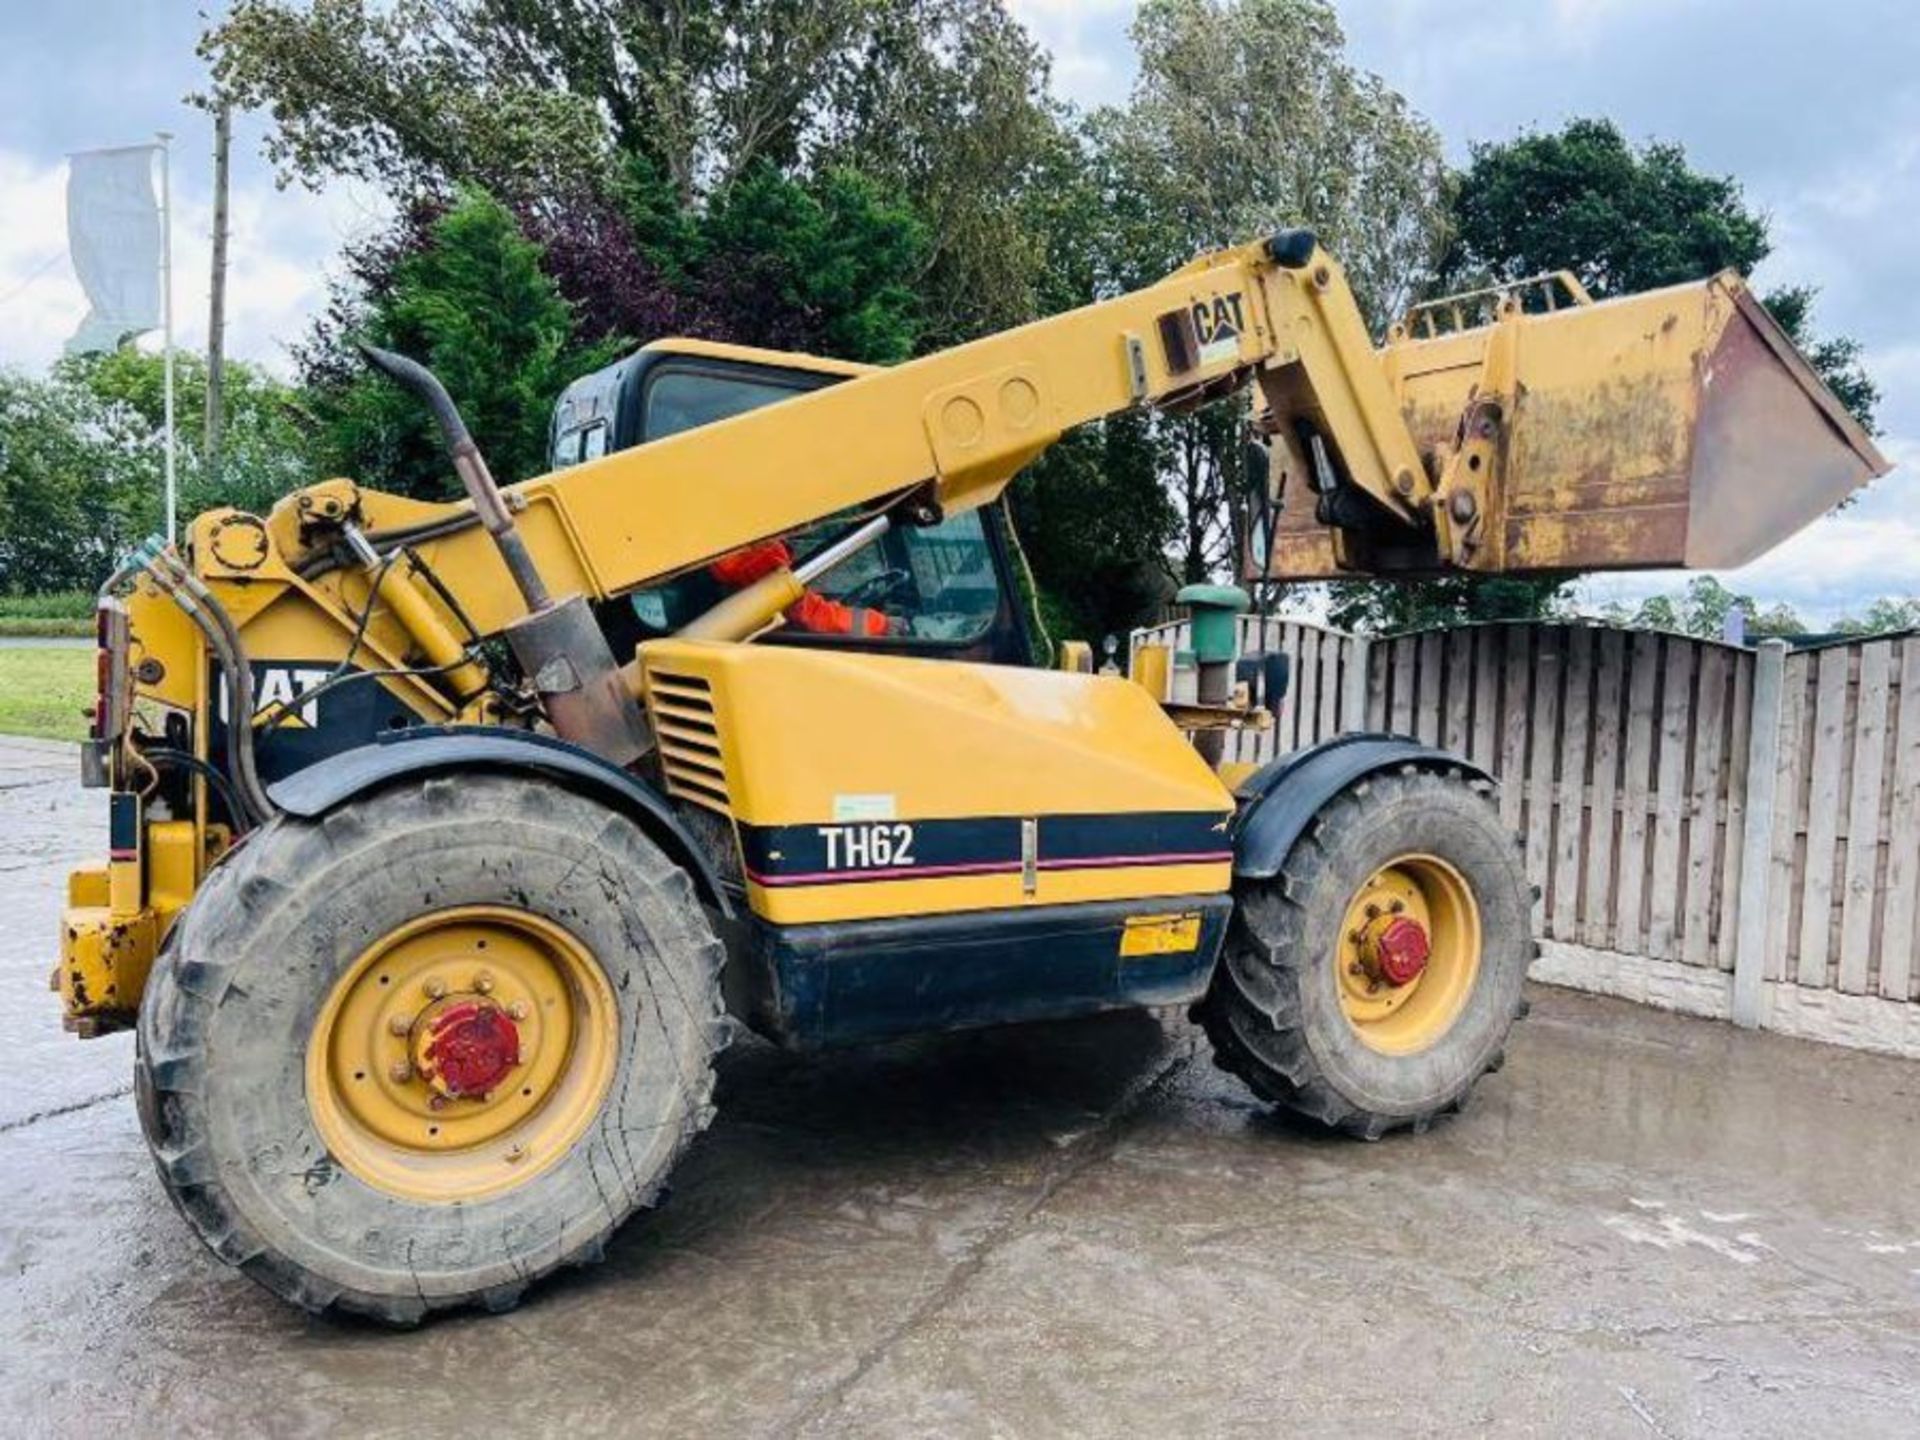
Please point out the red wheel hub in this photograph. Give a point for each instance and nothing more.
(470, 1046)
(1401, 951)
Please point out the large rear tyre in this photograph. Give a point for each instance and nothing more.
(1371, 983)
(424, 1051)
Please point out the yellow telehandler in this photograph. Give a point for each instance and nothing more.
(446, 838)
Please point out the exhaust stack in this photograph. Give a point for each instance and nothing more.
(559, 644)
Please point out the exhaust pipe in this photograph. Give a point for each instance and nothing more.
(470, 465)
(559, 645)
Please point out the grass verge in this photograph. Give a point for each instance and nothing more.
(65, 612)
(44, 689)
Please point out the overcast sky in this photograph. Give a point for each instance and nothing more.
(1815, 108)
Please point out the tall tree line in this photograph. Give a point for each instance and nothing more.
(868, 179)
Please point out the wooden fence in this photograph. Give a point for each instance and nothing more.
(1726, 830)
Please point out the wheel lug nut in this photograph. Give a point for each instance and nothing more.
(400, 1073)
(1373, 912)
(400, 1025)
(483, 982)
(435, 988)
(517, 1010)
(1398, 907)
(437, 1102)
(1356, 968)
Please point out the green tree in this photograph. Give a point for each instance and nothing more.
(474, 306)
(1623, 220)
(1704, 608)
(821, 266)
(547, 101)
(1383, 607)
(264, 448)
(69, 494)
(1095, 521)
(1247, 117)
(82, 461)
(1886, 616)
(1583, 199)
(1095, 524)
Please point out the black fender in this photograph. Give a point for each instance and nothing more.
(425, 750)
(1279, 800)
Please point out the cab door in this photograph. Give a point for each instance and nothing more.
(948, 589)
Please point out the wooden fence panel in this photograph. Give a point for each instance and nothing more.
(1570, 795)
(1667, 876)
(1484, 748)
(1426, 721)
(1543, 755)
(1516, 691)
(1609, 718)
(1702, 812)
(1623, 763)
(1637, 787)
(1900, 936)
(1824, 810)
(1857, 893)
(1333, 676)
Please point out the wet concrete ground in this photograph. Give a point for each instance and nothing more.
(1644, 1226)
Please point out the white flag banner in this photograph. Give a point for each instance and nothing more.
(113, 234)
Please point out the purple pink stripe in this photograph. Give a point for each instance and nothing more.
(994, 867)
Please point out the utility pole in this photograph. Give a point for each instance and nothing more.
(217, 306)
(166, 314)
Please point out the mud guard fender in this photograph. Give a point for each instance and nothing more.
(424, 750)
(1279, 800)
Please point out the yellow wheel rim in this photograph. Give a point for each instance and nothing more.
(462, 1054)
(1408, 954)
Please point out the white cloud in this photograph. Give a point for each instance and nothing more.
(280, 245)
(40, 301)
(1092, 61)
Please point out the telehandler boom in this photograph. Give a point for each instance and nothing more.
(445, 837)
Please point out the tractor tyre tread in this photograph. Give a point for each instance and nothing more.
(1268, 1031)
(278, 880)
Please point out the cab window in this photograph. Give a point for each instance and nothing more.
(681, 399)
(934, 585)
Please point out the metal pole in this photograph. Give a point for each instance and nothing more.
(166, 310)
(217, 304)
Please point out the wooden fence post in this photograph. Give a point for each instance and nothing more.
(1756, 841)
(1353, 709)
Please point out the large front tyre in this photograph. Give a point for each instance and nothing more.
(1371, 983)
(423, 1051)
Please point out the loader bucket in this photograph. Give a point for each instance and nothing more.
(1676, 428)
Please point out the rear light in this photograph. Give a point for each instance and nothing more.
(112, 692)
(102, 680)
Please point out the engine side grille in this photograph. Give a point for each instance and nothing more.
(689, 738)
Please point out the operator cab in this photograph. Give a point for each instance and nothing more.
(947, 590)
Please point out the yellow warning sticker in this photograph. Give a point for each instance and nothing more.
(1160, 934)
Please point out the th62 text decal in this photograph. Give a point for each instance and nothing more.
(868, 847)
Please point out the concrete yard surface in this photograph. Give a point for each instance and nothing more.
(1644, 1226)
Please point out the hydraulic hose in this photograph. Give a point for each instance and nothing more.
(162, 756)
(223, 639)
